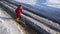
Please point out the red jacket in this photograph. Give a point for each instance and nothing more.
(18, 12)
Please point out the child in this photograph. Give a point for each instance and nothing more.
(18, 12)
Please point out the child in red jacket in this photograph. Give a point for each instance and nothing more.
(18, 12)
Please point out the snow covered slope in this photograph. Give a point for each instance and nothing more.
(52, 3)
(51, 7)
(31, 2)
(8, 25)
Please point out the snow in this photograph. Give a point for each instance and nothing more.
(31, 2)
(51, 3)
(51, 8)
(8, 25)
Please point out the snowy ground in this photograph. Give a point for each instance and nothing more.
(51, 3)
(8, 25)
(51, 8)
